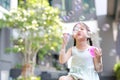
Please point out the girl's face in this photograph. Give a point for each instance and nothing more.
(80, 32)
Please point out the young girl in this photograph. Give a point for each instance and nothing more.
(86, 60)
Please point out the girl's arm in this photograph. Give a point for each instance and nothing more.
(98, 60)
(64, 56)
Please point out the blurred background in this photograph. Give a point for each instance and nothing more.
(103, 18)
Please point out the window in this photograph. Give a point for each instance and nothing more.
(75, 10)
(5, 4)
(50, 2)
(68, 5)
(0, 42)
(4, 43)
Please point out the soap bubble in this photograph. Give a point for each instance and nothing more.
(71, 13)
(77, 8)
(105, 27)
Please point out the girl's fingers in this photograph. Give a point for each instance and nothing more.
(98, 52)
(65, 38)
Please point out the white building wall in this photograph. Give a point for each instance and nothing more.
(101, 7)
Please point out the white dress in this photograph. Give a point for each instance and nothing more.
(81, 65)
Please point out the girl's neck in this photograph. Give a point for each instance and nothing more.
(82, 45)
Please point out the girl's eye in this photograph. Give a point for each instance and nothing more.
(82, 29)
(76, 29)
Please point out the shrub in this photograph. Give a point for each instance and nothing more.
(117, 70)
(30, 78)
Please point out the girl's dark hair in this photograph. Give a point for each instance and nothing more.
(74, 42)
(89, 39)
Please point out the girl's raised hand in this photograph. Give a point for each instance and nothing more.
(95, 52)
(66, 37)
(98, 52)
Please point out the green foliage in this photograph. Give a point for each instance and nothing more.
(30, 78)
(117, 70)
(38, 27)
(32, 3)
(18, 66)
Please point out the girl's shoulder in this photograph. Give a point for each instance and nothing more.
(71, 49)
